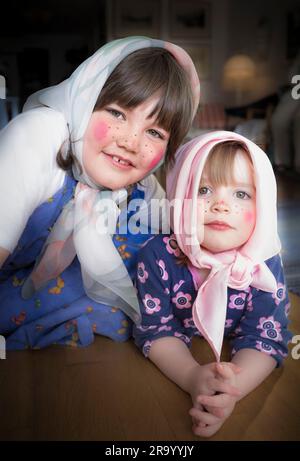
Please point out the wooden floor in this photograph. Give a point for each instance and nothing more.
(108, 391)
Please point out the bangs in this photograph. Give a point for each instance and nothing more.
(219, 166)
(132, 94)
(146, 73)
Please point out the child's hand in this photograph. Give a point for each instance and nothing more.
(201, 379)
(212, 409)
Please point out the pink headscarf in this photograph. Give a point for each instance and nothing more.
(213, 273)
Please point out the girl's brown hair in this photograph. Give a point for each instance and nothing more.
(219, 165)
(138, 77)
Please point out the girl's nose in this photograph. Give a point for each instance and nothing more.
(220, 206)
(129, 141)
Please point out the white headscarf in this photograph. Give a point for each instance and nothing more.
(76, 231)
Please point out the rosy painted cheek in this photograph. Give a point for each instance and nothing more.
(100, 130)
(156, 159)
(249, 217)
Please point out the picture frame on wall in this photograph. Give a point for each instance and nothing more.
(190, 19)
(136, 18)
(200, 55)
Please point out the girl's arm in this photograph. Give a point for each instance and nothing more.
(262, 340)
(255, 368)
(3, 255)
(29, 174)
(174, 359)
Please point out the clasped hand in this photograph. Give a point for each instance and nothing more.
(214, 395)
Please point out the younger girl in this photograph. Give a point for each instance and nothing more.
(110, 125)
(219, 273)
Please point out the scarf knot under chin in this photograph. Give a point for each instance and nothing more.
(240, 272)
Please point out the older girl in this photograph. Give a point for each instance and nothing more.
(95, 137)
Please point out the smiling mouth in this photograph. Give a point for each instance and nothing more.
(118, 161)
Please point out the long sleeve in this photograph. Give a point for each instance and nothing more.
(264, 325)
(165, 308)
(29, 174)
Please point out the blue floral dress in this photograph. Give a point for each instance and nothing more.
(255, 319)
(60, 313)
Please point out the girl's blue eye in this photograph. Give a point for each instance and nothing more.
(116, 113)
(242, 195)
(204, 190)
(155, 134)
